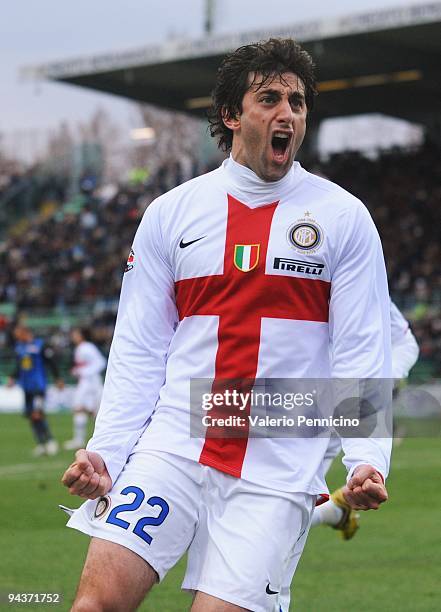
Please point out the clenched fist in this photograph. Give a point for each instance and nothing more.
(87, 476)
(366, 489)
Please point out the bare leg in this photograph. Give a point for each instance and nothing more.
(207, 603)
(114, 579)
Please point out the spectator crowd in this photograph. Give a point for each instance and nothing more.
(75, 258)
(403, 193)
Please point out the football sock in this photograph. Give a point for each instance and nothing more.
(38, 432)
(327, 514)
(80, 426)
(41, 430)
(45, 429)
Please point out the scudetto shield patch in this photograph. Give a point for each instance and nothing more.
(246, 256)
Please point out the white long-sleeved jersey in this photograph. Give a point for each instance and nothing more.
(234, 277)
(88, 361)
(405, 348)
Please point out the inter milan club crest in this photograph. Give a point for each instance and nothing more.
(305, 235)
(103, 504)
(246, 256)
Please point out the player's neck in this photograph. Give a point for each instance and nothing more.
(251, 188)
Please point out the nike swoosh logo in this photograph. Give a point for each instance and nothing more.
(269, 591)
(184, 245)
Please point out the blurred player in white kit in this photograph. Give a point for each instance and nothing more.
(337, 512)
(88, 365)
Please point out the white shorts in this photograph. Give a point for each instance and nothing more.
(333, 449)
(241, 538)
(88, 394)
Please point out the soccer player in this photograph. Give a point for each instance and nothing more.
(33, 357)
(88, 364)
(250, 271)
(337, 512)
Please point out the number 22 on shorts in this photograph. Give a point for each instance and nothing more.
(138, 530)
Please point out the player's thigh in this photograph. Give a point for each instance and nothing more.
(29, 404)
(81, 396)
(35, 405)
(207, 603)
(152, 509)
(114, 578)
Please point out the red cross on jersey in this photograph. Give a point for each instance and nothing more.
(235, 278)
(240, 300)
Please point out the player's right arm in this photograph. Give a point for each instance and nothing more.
(137, 360)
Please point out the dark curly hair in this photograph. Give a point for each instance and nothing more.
(266, 59)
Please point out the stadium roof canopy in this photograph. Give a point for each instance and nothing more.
(385, 61)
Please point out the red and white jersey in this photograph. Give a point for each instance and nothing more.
(88, 361)
(234, 277)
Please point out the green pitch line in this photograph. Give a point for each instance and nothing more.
(30, 469)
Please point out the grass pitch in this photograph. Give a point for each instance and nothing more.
(393, 563)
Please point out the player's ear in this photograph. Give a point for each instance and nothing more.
(231, 121)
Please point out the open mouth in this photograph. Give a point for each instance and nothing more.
(279, 143)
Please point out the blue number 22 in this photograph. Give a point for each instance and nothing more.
(134, 505)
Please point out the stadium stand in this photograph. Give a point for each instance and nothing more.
(63, 267)
(394, 70)
(402, 189)
(67, 266)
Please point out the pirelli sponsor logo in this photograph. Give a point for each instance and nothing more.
(297, 265)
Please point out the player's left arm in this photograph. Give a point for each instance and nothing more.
(361, 351)
(366, 489)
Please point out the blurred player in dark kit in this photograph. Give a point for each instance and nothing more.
(33, 357)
